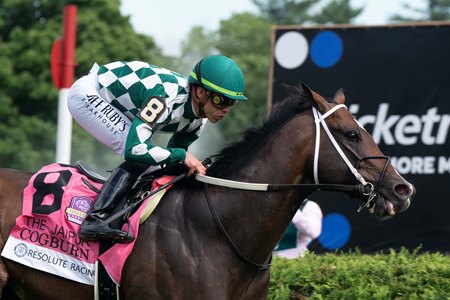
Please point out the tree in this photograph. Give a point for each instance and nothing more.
(28, 98)
(337, 12)
(297, 12)
(435, 10)
(246, 39)
(286, 12)
(199, 43)
(25, 95)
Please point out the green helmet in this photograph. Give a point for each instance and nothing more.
(219, 74)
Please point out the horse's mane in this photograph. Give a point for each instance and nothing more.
(243, 151)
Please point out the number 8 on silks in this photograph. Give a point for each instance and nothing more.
(154, 108)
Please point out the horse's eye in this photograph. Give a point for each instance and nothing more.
(352, 136)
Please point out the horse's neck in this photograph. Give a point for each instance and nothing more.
(284, 159)
(268, 213)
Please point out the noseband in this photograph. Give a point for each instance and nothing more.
(374, 194)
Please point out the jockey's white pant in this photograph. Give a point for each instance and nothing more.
(96, 115)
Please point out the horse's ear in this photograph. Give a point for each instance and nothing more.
(307, 90)
(339, 97)
(317, 100)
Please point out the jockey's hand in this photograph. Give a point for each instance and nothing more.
(194, 165)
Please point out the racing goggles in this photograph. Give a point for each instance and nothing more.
(220, 101)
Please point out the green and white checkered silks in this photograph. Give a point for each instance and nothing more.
(127, 86)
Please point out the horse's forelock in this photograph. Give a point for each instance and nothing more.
(243, 151)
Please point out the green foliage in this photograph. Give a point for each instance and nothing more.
(199, 43)
(286, 12)
(397, 275)
(103, 35)
(246, 39)
(297, 12)
(25, 14)
(337, 12)
(28, 29)
(24, 146)
(435, 10)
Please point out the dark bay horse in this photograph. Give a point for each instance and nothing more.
(181, 252)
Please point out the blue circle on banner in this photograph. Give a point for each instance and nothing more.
(336, 231)
(326, 49)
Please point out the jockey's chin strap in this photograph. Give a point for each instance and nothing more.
(319, 119)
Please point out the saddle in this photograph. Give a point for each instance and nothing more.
(131, 200)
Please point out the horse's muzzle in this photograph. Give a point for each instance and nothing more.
(385, 208)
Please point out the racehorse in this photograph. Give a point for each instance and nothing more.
(208, 241)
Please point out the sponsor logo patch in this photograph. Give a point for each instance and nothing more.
(78, 209)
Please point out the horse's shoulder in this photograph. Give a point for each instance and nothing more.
(15, 171)
(8, 175)
(12, 184)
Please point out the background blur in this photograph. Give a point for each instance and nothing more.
(172, 34)
(28, 28)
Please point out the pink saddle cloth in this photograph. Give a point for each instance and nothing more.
(45, 236)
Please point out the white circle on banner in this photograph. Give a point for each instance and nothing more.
(291, 50)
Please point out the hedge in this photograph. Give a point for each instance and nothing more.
(395, 275)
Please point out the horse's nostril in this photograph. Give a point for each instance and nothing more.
(403, 190)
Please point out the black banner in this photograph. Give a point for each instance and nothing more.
(396, 81)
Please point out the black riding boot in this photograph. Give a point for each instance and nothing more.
(94, 227)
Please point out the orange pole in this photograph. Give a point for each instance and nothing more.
(67, 70)
(68, 46)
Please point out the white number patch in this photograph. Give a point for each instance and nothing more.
(153, 110)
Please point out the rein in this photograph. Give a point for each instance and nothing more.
(357, 188)
(259, 267)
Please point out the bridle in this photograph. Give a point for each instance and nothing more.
(364, 187)
(370, 190)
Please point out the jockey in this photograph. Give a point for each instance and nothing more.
(122, 104)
